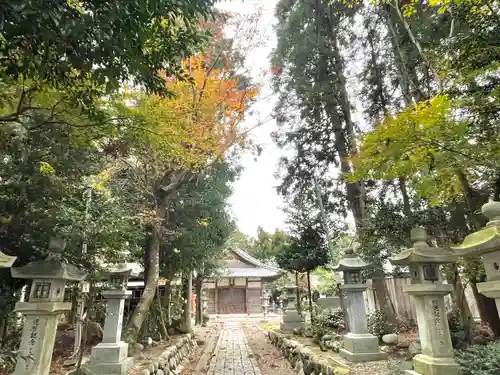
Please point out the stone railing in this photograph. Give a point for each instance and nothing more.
(170, 360)
(303, 359)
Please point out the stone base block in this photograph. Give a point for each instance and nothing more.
(362, 357)
(361, 343)
(289, 327)
(426, 365)
(109, 352)
(292, 316)
(110, 368)
(361, 348)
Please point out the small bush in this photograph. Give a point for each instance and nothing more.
(328, 321)
(378, 324)
(480, 360)
(459, 334)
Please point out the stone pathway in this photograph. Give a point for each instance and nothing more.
(232, 356)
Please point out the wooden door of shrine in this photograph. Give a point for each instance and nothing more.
(232, 301)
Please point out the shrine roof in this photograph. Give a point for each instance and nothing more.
(248, 272)
(254, 267)
(255, 261)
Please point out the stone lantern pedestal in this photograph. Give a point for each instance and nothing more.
(111, 355)
(486, 244)
(359, 344)
(291, 317)
(42, 312)
(428, 293)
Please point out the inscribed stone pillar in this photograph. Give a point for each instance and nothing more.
(111, 355)
(42, 312)
(428, 293)
(359, 344)
(291, 317)
(486, 243)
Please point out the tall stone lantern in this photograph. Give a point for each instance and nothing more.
(359, 344)
(486, 244)
(428, 291)
(291, 317)
(42, 312)
(111, 355)
(264, 302)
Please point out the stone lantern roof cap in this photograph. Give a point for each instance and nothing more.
(124, 267)
(351, 262)
(48, 269)
(421, 252)
(485, 240)
(6, 261)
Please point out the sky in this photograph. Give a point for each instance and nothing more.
(255, 201)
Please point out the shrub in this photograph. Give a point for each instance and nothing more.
(328, 321)
(459, 334)
(378, 324)
(480, 360)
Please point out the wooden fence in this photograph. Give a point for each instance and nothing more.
(402, 302)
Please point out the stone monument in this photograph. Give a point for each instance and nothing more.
(359, 344)
(428, 291)
(111, 355)
(42, 312)
(486, 243)
(291, 317)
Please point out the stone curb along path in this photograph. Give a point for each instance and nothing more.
(232, 355)
(170, 360)
(303, 359)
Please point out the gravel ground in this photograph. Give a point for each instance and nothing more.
(267, 355)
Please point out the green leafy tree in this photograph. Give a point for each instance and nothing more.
(82, 45)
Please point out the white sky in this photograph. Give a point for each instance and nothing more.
(255, 201)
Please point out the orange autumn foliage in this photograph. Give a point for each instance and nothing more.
(211, 106)
(202, 119)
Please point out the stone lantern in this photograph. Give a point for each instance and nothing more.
(486, 244)
(111, 355)
(359, 344)
(264, 301)
(428, 293)
(42, 312)
(291, 317)
(204, 301)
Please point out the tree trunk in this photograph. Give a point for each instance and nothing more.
(384, 299)
(409, 89)
(297, 291)
(309, 296)
(153, 273)
(406, 198)
(162, 326)
(487, 310)
(186, 325)
(166, 303)
(198, 320)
